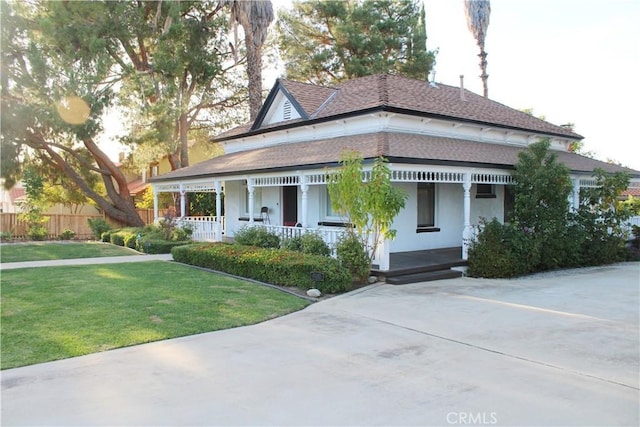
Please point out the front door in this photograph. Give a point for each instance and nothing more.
(290, 205)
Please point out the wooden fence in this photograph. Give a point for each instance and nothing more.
(11, 223)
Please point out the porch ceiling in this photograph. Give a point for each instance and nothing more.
(397, 147)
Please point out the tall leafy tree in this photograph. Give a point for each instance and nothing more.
(54, 90)
(542, 189)
(166, 63)
(254, 17)
(477, 13)
(175, 60)
(330, 41)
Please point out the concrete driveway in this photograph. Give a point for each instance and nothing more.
(559, 349)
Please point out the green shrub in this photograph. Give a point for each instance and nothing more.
(293, 244)
(105, 237)
(633, 245)
(353, 256)
(130, 240)
(182, 234)
(98, 226)
(6, 236)
(257, 236)
(67, 234)
(308, 243)
(315, 245)
(125, 237)
(501, 250)
(38, 232)
(154, 245)
(116, 239)
(279, 267)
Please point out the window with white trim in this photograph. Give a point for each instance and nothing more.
(426, 195)
(485, 191)
(329, 217)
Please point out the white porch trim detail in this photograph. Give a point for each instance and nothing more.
(467, 232)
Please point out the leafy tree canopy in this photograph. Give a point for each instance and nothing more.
(330, 41)
(366, 200)
(167, 63)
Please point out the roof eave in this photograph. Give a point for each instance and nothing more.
(391, 109)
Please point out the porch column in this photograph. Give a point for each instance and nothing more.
(576, 194)
(250, 189)
(466, 233)
(182, 200)
(383, 254)
(305, 199)
(218, 189)
(155, 204)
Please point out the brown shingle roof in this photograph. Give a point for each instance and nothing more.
(411, 96)
(397, 147)
(309, 96)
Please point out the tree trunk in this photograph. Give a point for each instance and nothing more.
(254, 73)
(183, 125)
(120, 205)
(484, 76)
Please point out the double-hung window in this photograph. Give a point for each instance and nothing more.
(426, 207)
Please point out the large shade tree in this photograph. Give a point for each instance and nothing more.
(166, 63)
(324, 42)
(54, 91)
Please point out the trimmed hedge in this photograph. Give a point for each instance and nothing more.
(125, 237)
(149, 239)
(153, 245)
(275, 266)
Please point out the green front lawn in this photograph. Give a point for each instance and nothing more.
(52, 313)
(49, 251)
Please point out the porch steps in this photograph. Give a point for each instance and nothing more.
(425, 272)
(426, 276)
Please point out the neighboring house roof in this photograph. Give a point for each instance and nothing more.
(136, 187)
(397, 147)
(17, 194)
(635, 192)
(396, 93)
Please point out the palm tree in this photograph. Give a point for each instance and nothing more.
(255, 16)
(478, 12)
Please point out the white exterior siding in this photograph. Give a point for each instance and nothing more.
(448, 218)
(487, 208)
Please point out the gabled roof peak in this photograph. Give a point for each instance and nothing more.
(395, 93)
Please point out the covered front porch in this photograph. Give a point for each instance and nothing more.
(291, 203)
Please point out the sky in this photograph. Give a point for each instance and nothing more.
(572, 61)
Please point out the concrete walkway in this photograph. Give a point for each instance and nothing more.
(86, 261)
(548, 350)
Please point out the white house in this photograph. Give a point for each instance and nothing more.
(451, 150)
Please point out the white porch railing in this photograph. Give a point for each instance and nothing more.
(634, 220)
(329, 235)
(205, 228)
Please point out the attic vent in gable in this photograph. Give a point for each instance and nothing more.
(286, 110)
